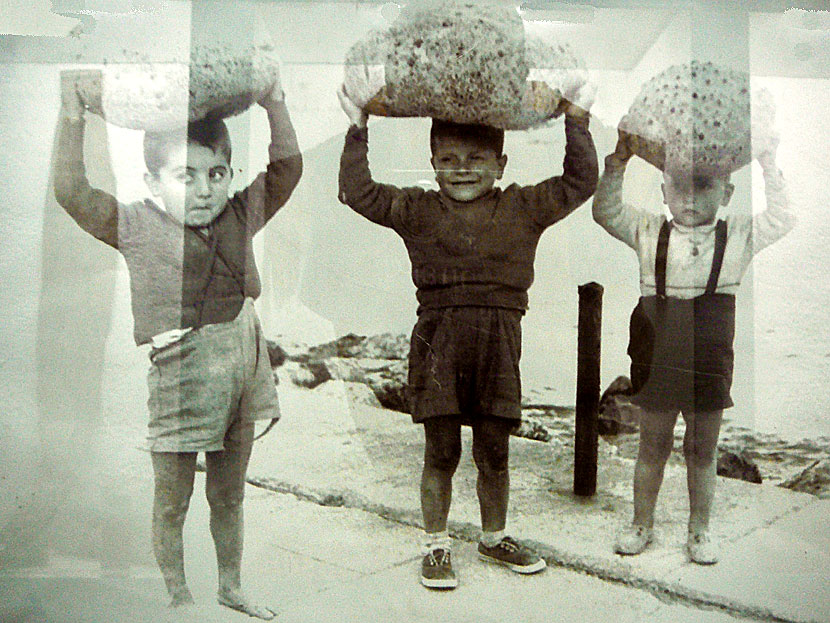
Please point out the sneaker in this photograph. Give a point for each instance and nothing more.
(633, 540)
(513, 555)
(436, 570)
(701, 549)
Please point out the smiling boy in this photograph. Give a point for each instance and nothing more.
(193, 280)
(472, 246)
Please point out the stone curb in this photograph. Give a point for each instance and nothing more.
(611, 572)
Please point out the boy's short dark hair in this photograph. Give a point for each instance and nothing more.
(483, 134)
(211, 133)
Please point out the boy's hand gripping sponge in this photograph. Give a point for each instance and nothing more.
(699, 117)
(462, 61)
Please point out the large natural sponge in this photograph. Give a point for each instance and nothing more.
(219, 80)
(180, 63)
(699, 117)
(461, 61)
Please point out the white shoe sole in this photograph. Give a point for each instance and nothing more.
(701, 560)
(622, 551)
(448, 583)
(630, 550)
(526, 570)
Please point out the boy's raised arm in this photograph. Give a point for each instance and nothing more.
(608, 208)
(777, 219)
(558, 196)
(95, 211)
(357, 189)
(271, 189)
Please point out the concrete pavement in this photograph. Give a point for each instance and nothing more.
(775, 542)
(325, 564)
(332, 535)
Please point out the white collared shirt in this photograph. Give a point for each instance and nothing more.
(691, 249)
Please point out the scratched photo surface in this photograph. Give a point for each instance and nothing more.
(333, 524)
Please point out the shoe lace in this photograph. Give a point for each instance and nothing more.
(444, 558)
(508, 544)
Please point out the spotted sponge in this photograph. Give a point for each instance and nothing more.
(464, 62)
(219, 80)
(700, 117)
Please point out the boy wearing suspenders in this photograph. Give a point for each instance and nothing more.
(682, 330)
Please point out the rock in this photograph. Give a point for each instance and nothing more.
(533, 428)
(380, 361)
(390, 384)
(779, 460)
(386, 346)
(294, 351)
(618, 416)
(341, 369)
(303, 377)
(333, 368)
(616, 413)
(738, 465)
(276, 354)
(620, 385)
(815, 479)
(355, 393)
(382, 346)
(347, 346)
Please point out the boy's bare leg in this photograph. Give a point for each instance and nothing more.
(491, 443)
(442, 451)
(700, 450)
(656, 441)
(174, 472)
(225, 491)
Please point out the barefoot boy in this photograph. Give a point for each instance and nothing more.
(472, 247)
(193, 281)
(683, 328)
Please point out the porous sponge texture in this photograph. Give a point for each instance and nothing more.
(220, 80)
(461, 61)
(699, 117)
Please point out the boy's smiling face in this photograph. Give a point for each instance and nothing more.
(192, 184)
(465, 169)
(694, 200)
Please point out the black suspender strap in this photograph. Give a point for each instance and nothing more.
(717, 259)
(660, 261)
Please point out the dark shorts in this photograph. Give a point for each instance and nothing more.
(207, 389)
(465, 361)
(681, 356)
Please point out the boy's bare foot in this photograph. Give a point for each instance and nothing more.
(183, 613)
(235, 599)
(181, 597)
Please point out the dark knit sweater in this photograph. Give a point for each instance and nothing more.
(477, 253)
(181, 276)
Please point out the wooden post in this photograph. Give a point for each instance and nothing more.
(587, 389)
